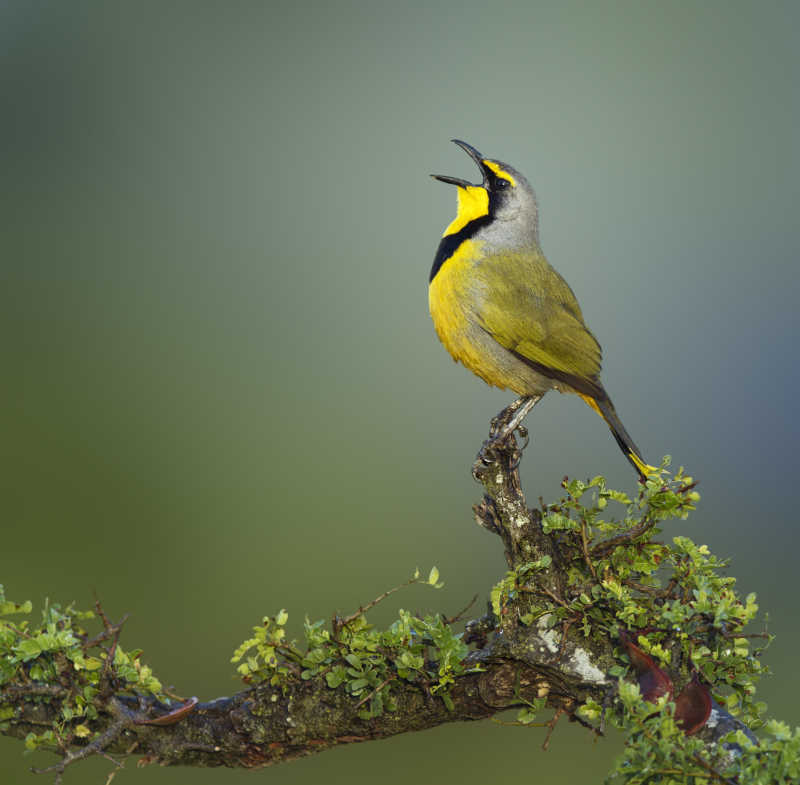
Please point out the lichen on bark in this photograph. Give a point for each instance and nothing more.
(590, 613)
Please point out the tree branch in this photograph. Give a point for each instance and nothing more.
(532, 650)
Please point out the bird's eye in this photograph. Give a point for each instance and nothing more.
(500, 183)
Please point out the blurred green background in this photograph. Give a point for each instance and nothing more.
(222, 394)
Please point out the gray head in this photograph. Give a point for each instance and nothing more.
(504, 203)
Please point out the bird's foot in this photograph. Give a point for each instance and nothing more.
(499, 426)
(503, 429)
(487, 455)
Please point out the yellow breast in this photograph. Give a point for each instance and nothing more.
(453, 295)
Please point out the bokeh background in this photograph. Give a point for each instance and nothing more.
(221, 391)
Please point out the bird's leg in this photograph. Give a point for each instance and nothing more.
(510, 418)
(506, 423)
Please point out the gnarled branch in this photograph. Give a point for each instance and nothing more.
(518, 659)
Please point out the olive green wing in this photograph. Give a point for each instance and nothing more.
(530, 310)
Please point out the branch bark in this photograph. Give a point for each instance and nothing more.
(512, 664)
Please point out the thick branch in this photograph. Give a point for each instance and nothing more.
(516, 661)
(580, 665)
(263, 725)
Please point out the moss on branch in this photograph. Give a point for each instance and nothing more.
(596, 618)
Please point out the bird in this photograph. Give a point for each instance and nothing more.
(504, 312)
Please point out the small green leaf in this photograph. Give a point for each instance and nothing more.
(336, 677)
(8, 608)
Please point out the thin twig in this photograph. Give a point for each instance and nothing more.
(608, 545)
(461, 613)
(95, 748)
(552, 596)
(339, 622)
(551, 727)
(585, 544)
(106, 633)
(700, 762)
(376, 690)
(564, 631)
(644, 589)
(711, 770)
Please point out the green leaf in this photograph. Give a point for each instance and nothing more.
(28, 649)
(336, 676)
(9, 608)
(354, 660)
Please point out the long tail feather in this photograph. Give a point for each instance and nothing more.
(604, 407)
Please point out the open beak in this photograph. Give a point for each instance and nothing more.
(475, 156)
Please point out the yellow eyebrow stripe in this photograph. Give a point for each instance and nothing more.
(499, 171)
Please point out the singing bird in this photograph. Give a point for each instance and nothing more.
(502, 310)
